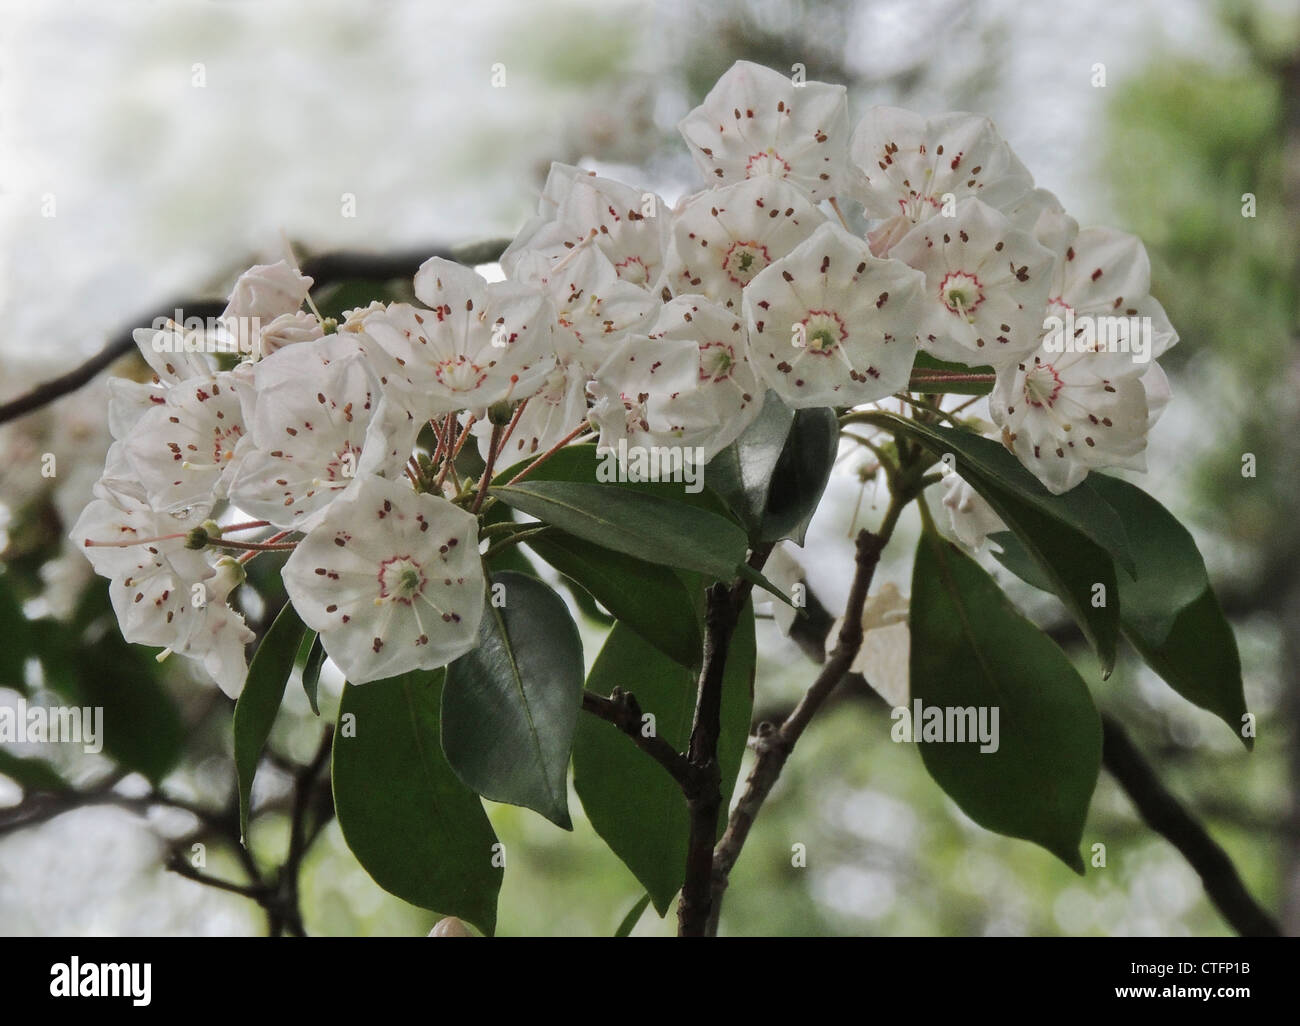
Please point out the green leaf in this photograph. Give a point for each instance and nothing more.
(647, 527)
(582, 463)
(652, 600)
(632, 802)
(633, 917)
(971, 649)
(19, 640)
(1074, 539)
(260, 700)
(312, 660)
(774, 474)
(32, 774)
(1169, 612)
(510, 706)
(927, 365)
(741, 474)
(418, 831)
(801, 475)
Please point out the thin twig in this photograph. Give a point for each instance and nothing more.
(622, 710)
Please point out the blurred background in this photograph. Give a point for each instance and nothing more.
(156, 149)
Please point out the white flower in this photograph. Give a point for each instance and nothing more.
(391, 579)
(971, 517)
(266, 291)
(832, 325)
(286, 330)
(986, 285)
(907, 168)
(785, 572)
(595, 308)
(723, 238)
(316, 420)
(181, 450)
(687, 384)
(174, 354)
(164, 593)
(884, 656)
(578, 208)
(476, 344)
(1087, 397)
(756, 121)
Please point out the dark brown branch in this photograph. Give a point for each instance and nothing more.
(326, 269)
(722, 612)
(774, 744)
(1167, 816)
(622, 710)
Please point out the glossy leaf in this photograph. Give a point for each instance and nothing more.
(509, 707)
(971, 649)
(1074, 539)
(650, 599)
(645, 526)
(418, 831)
(260, 700)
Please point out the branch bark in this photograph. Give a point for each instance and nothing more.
(1167, 816)
(774, 744)
(704, 801)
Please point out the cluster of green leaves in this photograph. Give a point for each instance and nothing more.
(414, 755)
(1121, 564)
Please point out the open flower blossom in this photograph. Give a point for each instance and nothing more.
(687, 383)
(757, 122)
(181, 450)
(391, 579)
(1086, 398)
(164, 593)
(724, 237)
(832, 325)
(595, 308)
(908, 168)
(316, 420)
(473, 344)
(578, 208)
(341, 440)
(986, 285)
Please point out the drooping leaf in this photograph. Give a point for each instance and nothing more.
(741, 474)
(1169, 612)
(633, 917)
(415, 828)
(509, 706)
(801, 474)
(650, 599)
(1075, 539)
(632, 802)
(585, 464)
(311, 661)
(971, 650)
(260, 700)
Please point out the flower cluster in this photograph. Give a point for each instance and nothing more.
(648, 324)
